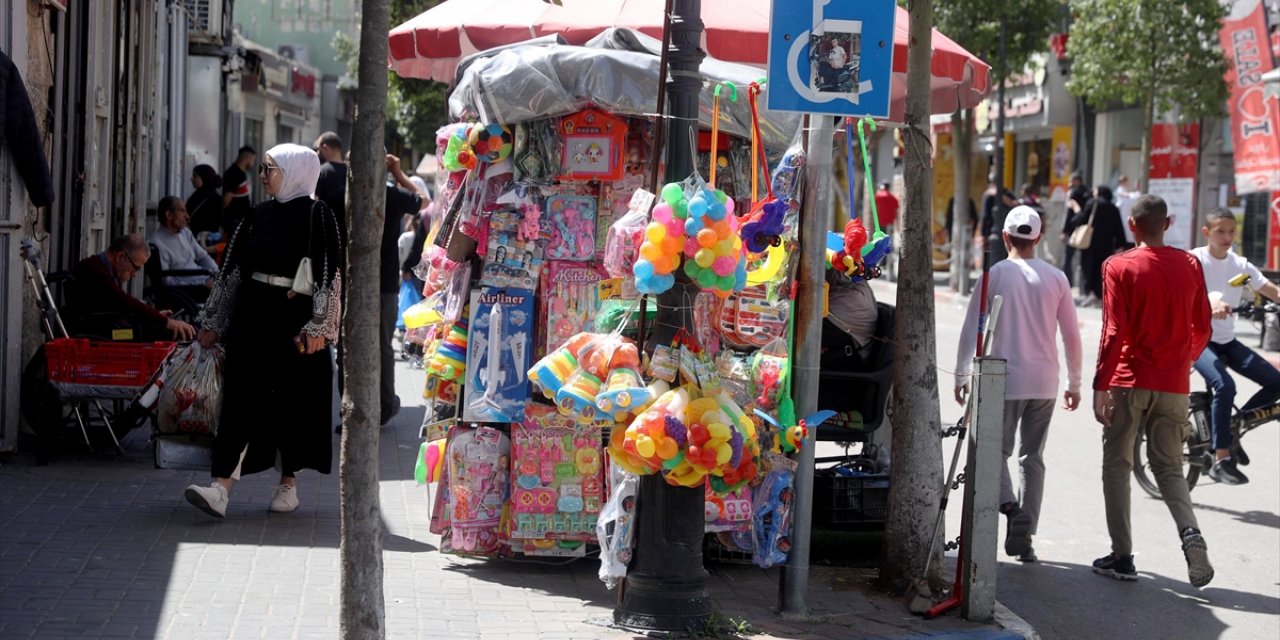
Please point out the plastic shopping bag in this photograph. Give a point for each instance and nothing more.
(409, 296)
(191, 396)
(615, 529)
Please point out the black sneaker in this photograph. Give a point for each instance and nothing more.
(1118, 568)
(1016, 536)
(1240, 456)
(1029, 555)
(1199, 571)
(1226, 472)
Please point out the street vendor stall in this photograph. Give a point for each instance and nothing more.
(547, 395)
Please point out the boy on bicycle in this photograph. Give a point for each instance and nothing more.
(1223, 271)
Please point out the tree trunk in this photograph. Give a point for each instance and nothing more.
(1148, 121)
(960, 232)
(362, 613)
(916, 470)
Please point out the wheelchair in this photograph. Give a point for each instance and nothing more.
(185, 302)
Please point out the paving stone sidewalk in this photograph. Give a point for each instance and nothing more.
(100, 546)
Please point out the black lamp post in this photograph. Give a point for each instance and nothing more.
(666, 586)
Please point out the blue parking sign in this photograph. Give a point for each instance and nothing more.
(831, 56)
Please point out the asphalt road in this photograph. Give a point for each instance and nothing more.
(1062, 598)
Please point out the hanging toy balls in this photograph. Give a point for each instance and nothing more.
(490, 142)
(664, 240)
(713, 243)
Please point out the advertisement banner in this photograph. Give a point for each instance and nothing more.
(1175, 150)
(1255, 116)
(944, 185)
(1060, 169)
(1175, 153)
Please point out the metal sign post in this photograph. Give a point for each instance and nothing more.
(980, 526)
(836, 58)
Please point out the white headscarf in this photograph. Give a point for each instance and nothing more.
(299, 168)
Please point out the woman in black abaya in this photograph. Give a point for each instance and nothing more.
(277, 387)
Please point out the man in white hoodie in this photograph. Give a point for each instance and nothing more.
(1037, 304)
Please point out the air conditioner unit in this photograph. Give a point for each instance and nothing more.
(204, 20)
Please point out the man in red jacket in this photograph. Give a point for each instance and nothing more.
(98, 303)
(1155, 323)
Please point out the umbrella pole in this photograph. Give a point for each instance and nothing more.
(666, 585)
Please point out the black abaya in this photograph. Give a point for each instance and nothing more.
(276, 399)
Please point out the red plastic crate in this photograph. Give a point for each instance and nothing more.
(125, 364)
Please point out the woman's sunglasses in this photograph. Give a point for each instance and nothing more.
(267, 168)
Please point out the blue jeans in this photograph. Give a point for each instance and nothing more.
(1213, 364)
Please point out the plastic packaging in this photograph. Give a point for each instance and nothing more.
(191, 398)
(615, 530)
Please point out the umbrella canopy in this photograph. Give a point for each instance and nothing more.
(430, 45)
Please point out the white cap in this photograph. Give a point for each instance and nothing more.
(1022, 222)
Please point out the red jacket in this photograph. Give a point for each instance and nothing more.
(1155, 320)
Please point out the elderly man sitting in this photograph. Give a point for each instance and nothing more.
(179, 251)
(99, 305)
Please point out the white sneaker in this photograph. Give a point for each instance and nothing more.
(284, 500)
(211, 499)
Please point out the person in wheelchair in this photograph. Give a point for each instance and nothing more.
(1223, 269)
(850, 325)
(98, 305)
(178, 250)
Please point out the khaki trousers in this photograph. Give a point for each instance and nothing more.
(1162, 418)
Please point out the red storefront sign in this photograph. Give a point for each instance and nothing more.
(1174, 150)
(1255, 117)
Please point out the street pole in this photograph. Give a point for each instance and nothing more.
(666, 586)
(794, 582)
(994, 242)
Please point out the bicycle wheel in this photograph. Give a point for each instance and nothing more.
(1194, 461)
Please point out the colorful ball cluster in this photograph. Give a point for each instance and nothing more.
(712, 244)
(690, 439)
(490, 142)
(664, 239)
(655, 440)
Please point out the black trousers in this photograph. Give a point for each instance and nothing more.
(386, 332)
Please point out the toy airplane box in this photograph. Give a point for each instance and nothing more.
(498, 355)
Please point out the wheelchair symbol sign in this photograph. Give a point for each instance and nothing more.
(836, 59)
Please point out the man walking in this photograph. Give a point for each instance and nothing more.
(1037, 305)
(236, 200)
(1155, 322)
(403, 198)
(331, 187)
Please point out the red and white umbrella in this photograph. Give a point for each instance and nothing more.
(430, 45)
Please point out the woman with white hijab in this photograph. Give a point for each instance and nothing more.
(275, 323)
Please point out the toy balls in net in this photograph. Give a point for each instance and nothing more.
(491, 142)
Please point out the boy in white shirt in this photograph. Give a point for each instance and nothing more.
(1037, 304)
(1224, 352)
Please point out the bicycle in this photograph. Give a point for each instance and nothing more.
(1197, 448)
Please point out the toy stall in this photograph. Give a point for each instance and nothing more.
(548, 392)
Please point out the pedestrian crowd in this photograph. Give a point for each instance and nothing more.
(1142, 382)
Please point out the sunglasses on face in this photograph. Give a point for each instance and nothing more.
(267, 168)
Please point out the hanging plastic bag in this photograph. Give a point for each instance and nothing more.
(615, 530)
(771, 520)
(191, 396)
